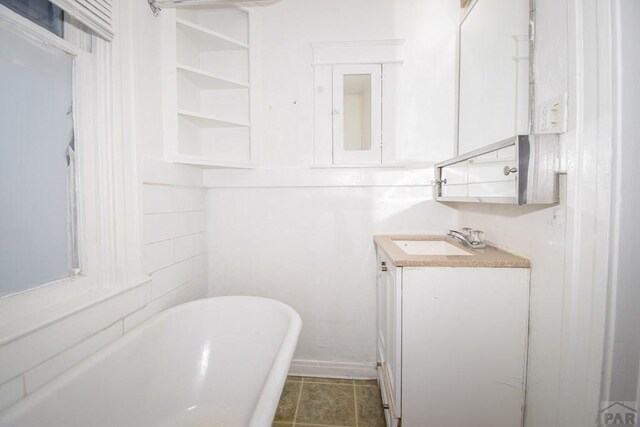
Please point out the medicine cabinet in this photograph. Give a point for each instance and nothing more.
(356, 103)
(518, 170)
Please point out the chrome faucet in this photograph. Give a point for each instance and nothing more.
(469, 237)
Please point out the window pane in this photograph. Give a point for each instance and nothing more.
(357, 112)
(35, 131)
(42, 12)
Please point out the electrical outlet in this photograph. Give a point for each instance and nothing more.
(552, 115)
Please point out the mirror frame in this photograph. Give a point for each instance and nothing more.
(532, 83)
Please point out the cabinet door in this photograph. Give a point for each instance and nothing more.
(454, 180)
(357, 113)
(487, 174)
(464, 346)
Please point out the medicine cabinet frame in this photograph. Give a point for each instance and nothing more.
(532, 166)
(329, 60)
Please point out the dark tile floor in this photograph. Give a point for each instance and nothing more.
(308, 401)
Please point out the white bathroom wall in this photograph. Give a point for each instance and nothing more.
(35, 350)
(174, 234)
(305, 236)
(173, 198)
(282, 74)
(312, 248)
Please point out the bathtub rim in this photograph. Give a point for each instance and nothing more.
(263, 408)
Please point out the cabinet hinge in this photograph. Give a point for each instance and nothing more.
(378, 364)
(383, 266)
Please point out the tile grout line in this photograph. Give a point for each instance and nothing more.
(316, 425)
(175, 237)
(355, 401)
(295, 415)
(354, 384)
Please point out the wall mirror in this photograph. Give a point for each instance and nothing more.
(495, 90)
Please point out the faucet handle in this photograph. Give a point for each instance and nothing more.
(476, 236)
(466, 231)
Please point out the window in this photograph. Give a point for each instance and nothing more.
(41, 12)
(38, 231)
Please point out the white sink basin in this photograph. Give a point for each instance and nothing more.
(429, 247)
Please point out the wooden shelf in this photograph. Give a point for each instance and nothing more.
(210, 163)
(218, 136)
(207, 121)
(209, 81)
(205, 39)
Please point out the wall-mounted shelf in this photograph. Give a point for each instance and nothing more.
(209, 81)
(207, 117)
(185, 159)
(204, 39)
(518, 170)
(208, 122)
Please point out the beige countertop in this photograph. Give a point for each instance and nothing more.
(491, 257)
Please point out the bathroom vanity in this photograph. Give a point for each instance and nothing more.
(452, 333)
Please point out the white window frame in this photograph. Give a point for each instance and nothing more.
(374, 154)
(109, 218)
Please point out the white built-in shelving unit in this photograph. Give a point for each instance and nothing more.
(206, 87)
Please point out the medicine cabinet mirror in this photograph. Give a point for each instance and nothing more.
(357, 113)
(495, 90)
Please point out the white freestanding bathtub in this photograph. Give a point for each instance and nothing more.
(213, 362)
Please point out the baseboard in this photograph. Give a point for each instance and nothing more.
(331, 369)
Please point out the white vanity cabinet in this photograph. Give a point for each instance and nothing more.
(452, 344)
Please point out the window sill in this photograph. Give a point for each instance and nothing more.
(46, 315)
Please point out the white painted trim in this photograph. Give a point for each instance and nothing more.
(17, 22)
(321, 178)
(619, 353)
(589, 181)
(352, 62)
(332, 369)
(358, 52)
(84, 302)
(96, 15)
(358, 43)
(357, 165)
